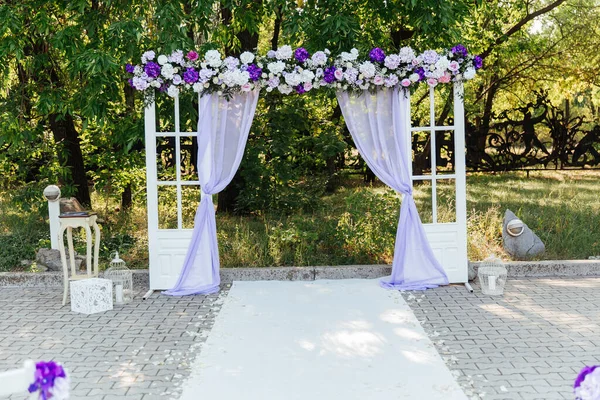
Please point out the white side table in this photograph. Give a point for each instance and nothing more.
(86, 221)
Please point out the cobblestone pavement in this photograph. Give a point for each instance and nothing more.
(528, 344)
(141, 350)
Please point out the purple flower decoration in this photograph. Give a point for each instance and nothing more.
(377, 55)
(300, 89)
(129, 68)
(271, 53)
(329, 74)
(45, 376)
(301, 54)
(421, 73)
(190, 76)
(584, 372)
(254, 71)
(130, 81)
(152, 69)
(460, 51)
(477, 62)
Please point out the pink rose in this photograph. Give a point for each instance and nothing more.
(453, 66)
(338, 74)
(246, 87)
(192, 56)
(378, 80)
(308, 86)
(405, 82)
(432, 82)
(445, 78)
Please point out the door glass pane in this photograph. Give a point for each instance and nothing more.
(446, 200)
(165, 113)
(421, 153)
(188, 112)
(422, 196)
(189, 156)
(165, 158)
(190, 199)
(444, 143)
(444, 105)
(167, 207)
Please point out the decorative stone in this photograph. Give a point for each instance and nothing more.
(90, 296)
(50, 258)
(523, 247)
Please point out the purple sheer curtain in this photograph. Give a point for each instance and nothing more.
(378, 123)
(223, 126)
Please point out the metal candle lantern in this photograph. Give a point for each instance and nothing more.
(122, 280)
(492, 277)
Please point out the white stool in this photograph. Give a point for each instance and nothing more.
(86, 221)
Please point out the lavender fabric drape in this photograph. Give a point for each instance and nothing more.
(223, 126)
(378, 125)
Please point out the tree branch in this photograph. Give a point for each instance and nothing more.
(517, 27)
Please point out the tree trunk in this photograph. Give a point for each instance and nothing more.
(70, 155)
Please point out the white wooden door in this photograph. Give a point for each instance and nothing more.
(445, 220)
(170, 227)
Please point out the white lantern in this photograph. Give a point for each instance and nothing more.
(492, 277)
(122, 280)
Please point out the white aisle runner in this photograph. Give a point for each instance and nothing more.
(321, 340)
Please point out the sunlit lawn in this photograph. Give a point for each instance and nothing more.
(355, 225)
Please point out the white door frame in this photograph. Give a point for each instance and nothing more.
(448, 240)
(167, 247)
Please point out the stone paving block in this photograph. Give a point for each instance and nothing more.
(107, 354)
(537, 336)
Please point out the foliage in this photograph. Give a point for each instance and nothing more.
(355, 225)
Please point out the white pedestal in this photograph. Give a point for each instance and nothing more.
(90, 296)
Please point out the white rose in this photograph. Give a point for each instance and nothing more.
(276, 67)
(284, 53)
(469, 73)
(215, 80)
(162, 59)
(173, 91)
(198, 87)
(167, 71)
(246, 57)
(414, 77)
(367, 68)
(213, 58)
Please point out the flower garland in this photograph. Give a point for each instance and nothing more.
(51, 382)
(290, 71)
(587, 384)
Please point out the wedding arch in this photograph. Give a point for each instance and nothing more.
(374, 94)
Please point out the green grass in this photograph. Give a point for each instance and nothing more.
(355, 225)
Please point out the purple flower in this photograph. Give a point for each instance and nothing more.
(254, 71)
(130, 81)
(477, 62)
(300, 89)
(377, 55)
(190, 76)
(129, 68)
(271, 53)
(205, 74)
(329, 74)
(460, 50)
(421, 73)
(152, 69)
(584, 372)
(301, 54)
(45, 375)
